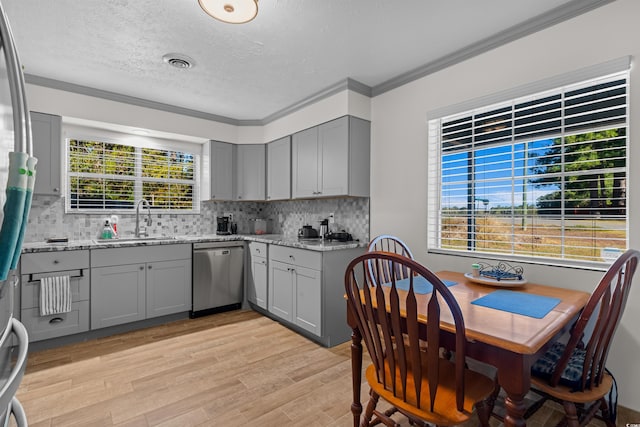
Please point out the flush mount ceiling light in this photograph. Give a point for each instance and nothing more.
(178, 60)
(231, 11)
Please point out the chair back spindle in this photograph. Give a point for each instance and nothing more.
(392, 244)
(607, 303)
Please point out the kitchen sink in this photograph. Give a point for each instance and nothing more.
(133, 239)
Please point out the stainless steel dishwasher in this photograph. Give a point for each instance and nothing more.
(218, 277)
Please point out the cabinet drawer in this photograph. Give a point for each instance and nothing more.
(54, 261)
(56, 325)
(258, 249)
(294, 256)
(31, 289)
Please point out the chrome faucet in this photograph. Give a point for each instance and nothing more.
(148, 220)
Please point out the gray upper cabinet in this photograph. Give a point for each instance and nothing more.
(332, 159)
(305, 163)
(47, 138)
(222, 172)
(250, 172)
(279, 169)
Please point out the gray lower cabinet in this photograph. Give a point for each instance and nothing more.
(35, 267)
(296, 287)
(257, 278)
(117, 295)
(168, 287)
(281, 289)
(130, 284)
(306, 290)
(47, 139)
(308, 299)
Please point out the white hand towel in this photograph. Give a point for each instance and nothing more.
(55, 295)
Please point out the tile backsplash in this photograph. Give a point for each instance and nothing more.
(47, 218)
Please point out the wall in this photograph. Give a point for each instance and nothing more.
(399, 150)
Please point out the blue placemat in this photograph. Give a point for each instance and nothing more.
(531, 305)
(420, 285)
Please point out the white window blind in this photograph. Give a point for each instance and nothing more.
(108, 176)
(539, 176)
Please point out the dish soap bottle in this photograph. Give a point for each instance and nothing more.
(107, 231)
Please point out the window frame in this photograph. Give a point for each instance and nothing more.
(138, 142)
(492, 103)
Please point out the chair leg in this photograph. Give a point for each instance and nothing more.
(485, 407)
(604, 412)
(571, 414)
(371, 406)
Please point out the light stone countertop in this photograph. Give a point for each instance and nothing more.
(275, 239)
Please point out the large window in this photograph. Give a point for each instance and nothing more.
(108, 176)
(537, 176)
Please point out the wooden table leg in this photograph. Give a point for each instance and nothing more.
(515, 379)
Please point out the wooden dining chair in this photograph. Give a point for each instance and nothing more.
(575, 373)
(392, 244)
(414, 379)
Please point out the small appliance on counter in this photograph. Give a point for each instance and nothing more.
(324, 228)
(225, 226)
(261, 226)
(307, 232)
(339, 236)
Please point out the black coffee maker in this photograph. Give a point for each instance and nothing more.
(223, 225)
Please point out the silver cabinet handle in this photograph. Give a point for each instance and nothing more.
(55, 190)
(149, 267)
(142, 267)
(56, 320)
(55, 261)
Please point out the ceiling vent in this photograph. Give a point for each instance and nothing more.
(178, 60)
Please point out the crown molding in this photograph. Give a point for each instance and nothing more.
(118, 97)
(346, 84)
(533, 25)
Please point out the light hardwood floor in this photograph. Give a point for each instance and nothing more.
(230, 369)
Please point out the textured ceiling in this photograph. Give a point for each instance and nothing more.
(291, 51)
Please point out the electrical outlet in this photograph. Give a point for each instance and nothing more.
(331, 218)
(230, 215)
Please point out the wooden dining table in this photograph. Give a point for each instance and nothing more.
(510, 342)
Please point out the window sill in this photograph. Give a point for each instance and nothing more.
(552, 262)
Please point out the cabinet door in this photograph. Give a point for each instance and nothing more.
(279, 169)
(304, 160)
(281, 277)
(222, 161)
(117, 295)
(257, 283)
(47, 138)
(308, 300)
(168, 287)
(250, 173)
(333, 142)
